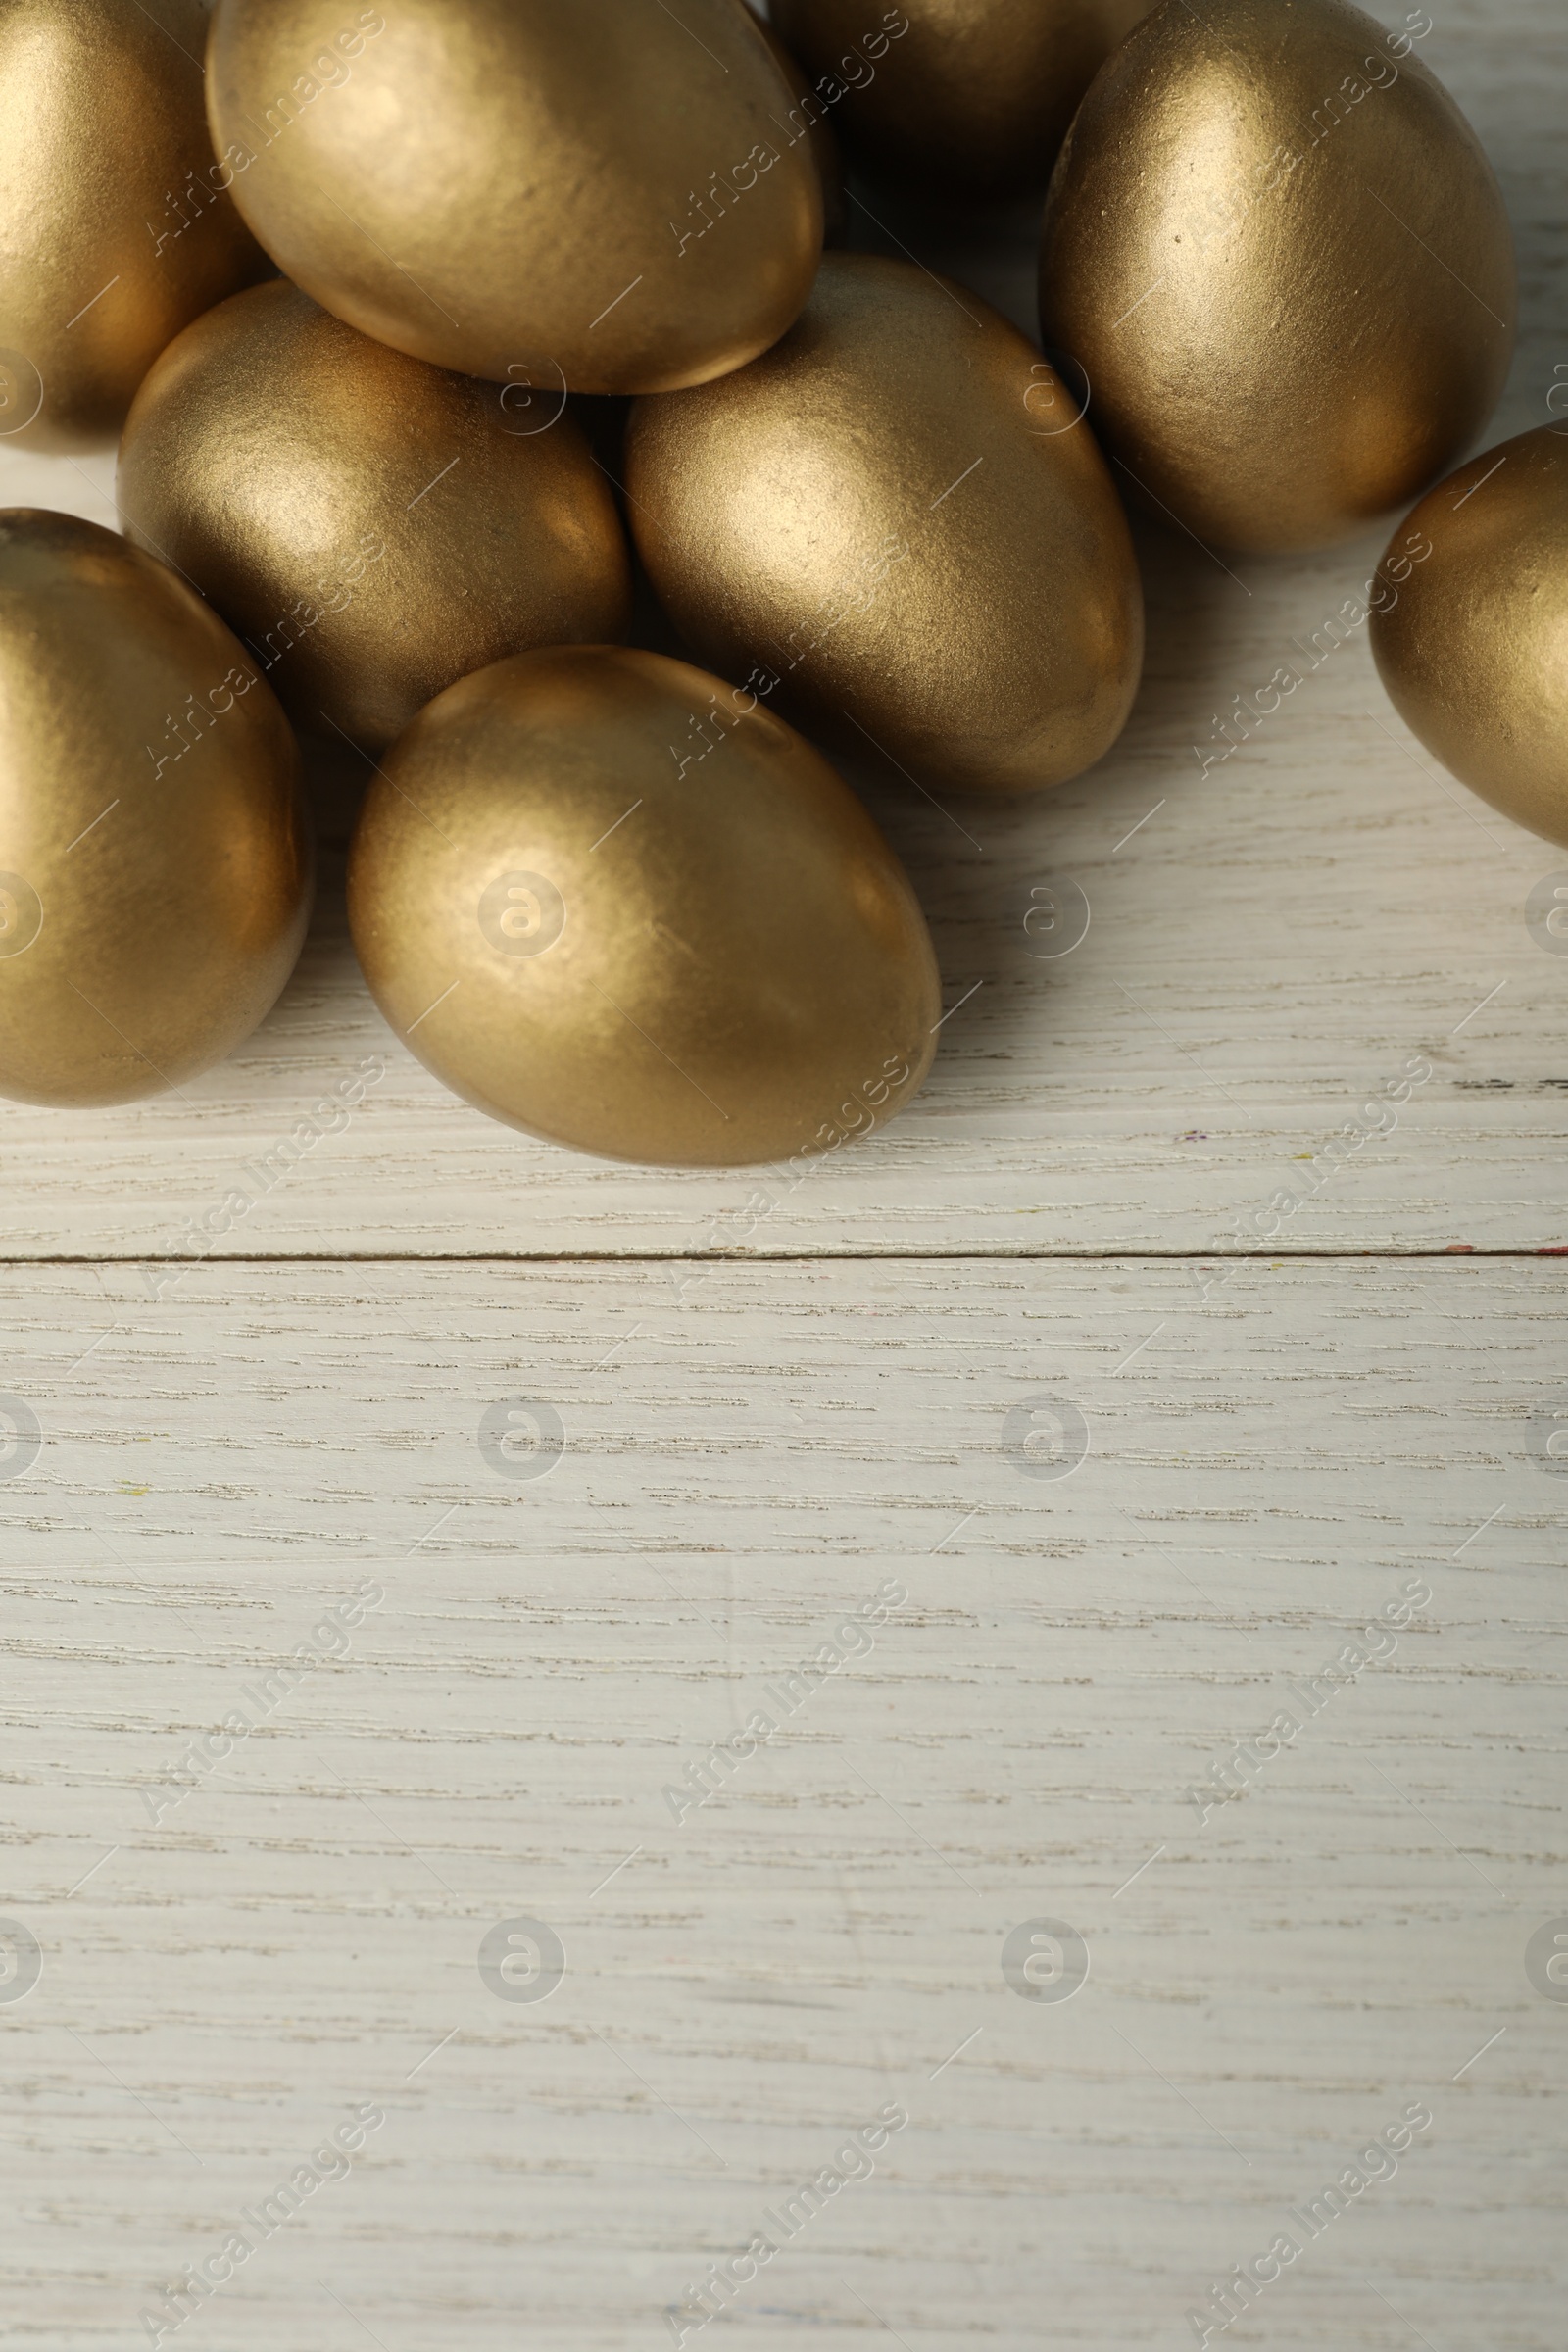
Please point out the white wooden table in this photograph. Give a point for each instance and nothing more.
(1300, 1382)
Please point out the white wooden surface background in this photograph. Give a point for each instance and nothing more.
(1283, 1423)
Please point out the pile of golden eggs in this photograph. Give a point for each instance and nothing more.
(417, 319)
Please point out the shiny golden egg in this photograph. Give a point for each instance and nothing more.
(116, 225)
(1276, 250)
(375, 529)
(608, 194)
(899, 520)
(1469, 627)
(609, 899)
(964, 97)
(155, 869)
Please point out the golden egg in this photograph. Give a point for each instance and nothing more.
(375, 529)
(595, 193)
(155, 869)
(1274, 246)
(898, 517)
(116, 227)
(612, 902)
(1469, 626)
(970, 97)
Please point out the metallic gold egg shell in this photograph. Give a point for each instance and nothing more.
(1470, 634)
(155, 867)
(898, 517)
(608, 189)
(374, 528)
(116, 227)
(966, 97)
(1274, 246)
(609, 901)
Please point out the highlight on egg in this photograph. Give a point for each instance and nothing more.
(969, 101)
(1473, 649)
(374, 528)
(615, 903)
(117, 227)
(899, 520)
(1277, 252)
(610, 196)
(155, 864)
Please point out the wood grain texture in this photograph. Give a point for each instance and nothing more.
(745, 1462)
(1267, 943)
(204, 1450)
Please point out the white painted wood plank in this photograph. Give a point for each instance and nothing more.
(1267, 944)
(746, 1460)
